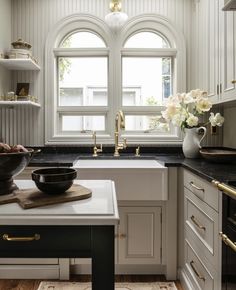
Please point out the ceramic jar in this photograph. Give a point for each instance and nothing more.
(192, 142)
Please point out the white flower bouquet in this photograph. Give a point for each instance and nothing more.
(183, 110)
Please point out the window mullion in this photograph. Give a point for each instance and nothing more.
(87, 110)
(80, 52)
(160, 52)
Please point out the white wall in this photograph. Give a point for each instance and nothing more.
(5, 40)
(5, 37)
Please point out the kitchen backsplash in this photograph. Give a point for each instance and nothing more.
(229, 126)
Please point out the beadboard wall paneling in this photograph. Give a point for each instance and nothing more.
(33, 19)
(5, 40)
(229, 127)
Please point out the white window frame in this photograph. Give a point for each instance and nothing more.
(114, 51)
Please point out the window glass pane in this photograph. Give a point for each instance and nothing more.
(146, 40)
(145, 123)
(80, 123)
(82, 81)
(146, 81)
(82, 39)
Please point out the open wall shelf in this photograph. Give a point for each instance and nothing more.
(18, 103)
(19, 64)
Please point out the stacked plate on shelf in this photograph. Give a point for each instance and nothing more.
(19, 53)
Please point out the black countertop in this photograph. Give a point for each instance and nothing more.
(201, 167)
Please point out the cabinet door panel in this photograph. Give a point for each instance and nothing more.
(139, 235)
(227, 53)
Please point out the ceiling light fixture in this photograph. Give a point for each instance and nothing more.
(116, 18)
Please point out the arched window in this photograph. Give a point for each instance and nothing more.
(82, 39)
(149, 75)
(92, 73)
(146, 39)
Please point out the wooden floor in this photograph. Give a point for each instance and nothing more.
(33, 284)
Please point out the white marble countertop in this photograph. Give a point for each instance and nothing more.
(100, 209)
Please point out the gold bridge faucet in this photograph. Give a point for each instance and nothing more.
(119, 125)
(95, 149)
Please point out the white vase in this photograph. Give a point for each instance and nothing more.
(192, 142)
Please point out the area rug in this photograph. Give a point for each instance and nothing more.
(47, 285)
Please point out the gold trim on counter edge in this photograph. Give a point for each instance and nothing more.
(6, 237)
(225, 188)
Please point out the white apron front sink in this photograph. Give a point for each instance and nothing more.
(135, 179)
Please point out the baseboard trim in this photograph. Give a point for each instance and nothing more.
(123, 269)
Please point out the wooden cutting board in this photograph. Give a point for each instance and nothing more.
(33, 197)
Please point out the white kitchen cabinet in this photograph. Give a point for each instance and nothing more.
(202, 253)
(139, 235)
(214, 50)
(227, 46)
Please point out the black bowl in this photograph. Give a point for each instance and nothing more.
(11, 164)
(54, 180)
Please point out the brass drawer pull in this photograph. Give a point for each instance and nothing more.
(197, 223)
(233, 81)
(196, 272)
(196, 187)
(228, 242)
(6, 237)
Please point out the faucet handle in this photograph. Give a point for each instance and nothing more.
(96, 150)
(137, 151)
(99, 149)
(124, 143)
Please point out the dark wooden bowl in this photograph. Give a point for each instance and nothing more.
(219, 155)
(54, 180)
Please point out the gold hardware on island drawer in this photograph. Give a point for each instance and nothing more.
(6, 237)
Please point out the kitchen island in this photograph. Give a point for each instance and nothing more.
(82, 229)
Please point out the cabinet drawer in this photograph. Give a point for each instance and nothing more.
(47, 241)
(202, 223)
(202, 189)
(197, 272)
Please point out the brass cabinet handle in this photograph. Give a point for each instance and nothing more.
(196, 272)
(6, 237)
(233, 81)
(197, 223)
(196, 187)
(228, 242)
